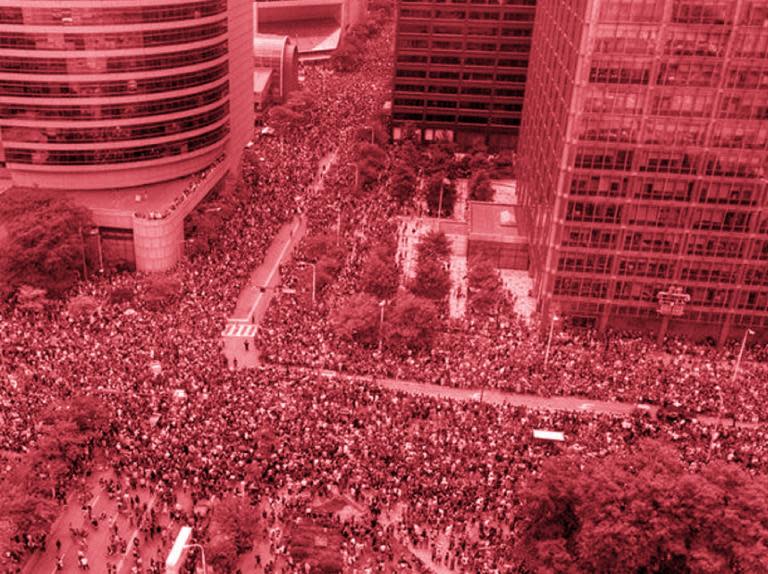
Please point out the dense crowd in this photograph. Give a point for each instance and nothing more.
(438, 479)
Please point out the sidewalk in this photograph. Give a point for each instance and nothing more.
(492, 396)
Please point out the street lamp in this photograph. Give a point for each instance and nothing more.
(314, 276)
(440, 200)
(552, 322)
(736, 367)
(382, 304)
(721, 400)
(202, 554)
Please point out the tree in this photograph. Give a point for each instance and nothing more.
(503, 165)
(222, 553)
(43, 244)
(235, 517)
(644, 512)
(357, 319)
(439, 185)
(348, 57)
(82, 306)
(409, 324)
(380, 275)
(432, 280)
(371, 161)
(403, 184)
(480, 188)
(161, 291)
(31, 299)
(121, 295)
(486, 291)
(283, 118)
(434, 245)
(327, 256)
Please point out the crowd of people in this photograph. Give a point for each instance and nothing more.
(439, 479)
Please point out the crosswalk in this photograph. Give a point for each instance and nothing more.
(244, 330)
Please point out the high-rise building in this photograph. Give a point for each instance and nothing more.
(642, 163)
(135, 108)
(460, 68)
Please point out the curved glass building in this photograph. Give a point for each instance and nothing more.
(111, 95)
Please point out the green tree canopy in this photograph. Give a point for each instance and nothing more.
(42, 243)
(644, 513)
(357, 319)
(486, 291)
(439, 184)
(403, 183)
(434, 245)
(380, 274)
(480, 188)
(410, 323)
(432, 279)
(371, 161)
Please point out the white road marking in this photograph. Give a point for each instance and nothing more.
(129, 546)
(286, 245)
(586, 406)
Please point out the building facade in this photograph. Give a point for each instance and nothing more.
(114, 100)
(461, 68)
(316, 26)
(642, 162)
(280, 56)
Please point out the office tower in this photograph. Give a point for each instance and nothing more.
(460, 69)
(136, 109)
(642, 163)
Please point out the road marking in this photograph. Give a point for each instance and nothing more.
(129, 546)
(586, 406)
(286, 245)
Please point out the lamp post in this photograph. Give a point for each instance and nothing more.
(721, 401)
(82, 252)
(314, 276)
(202, 554)
(552, 322)
(737, 366)
(440, 202)
(382, 304)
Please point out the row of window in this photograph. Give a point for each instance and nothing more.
(660, 242)
(460, 45)
(104, 65)
(496, 78)
(677, 74)
(114, 110)
(659, 268)
(111, 41)
(113, 133)
(470, 90)
(459, 14)
(460, 105)
(465, 61)
(664, 216)
(112, 87)
(661, 161)
(648, 292)
(479, 2)
(680, 190)
(86, 16)
(116, 156)
(511, 122)
(490, 30)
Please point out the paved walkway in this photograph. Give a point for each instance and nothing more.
(255, 297)
(563, 403)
